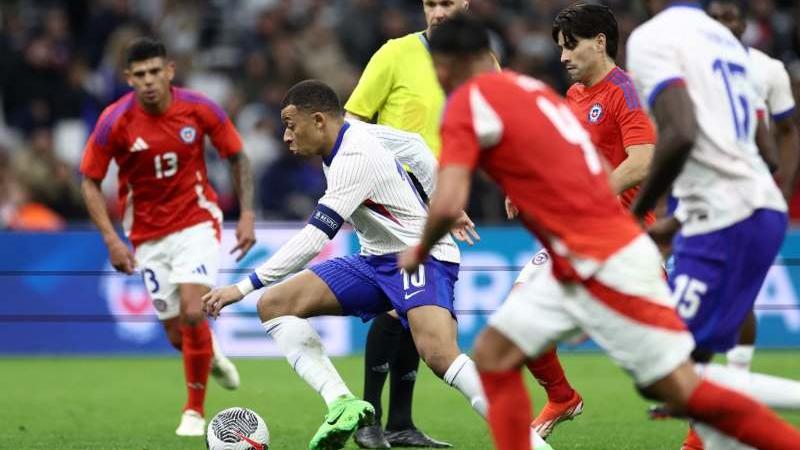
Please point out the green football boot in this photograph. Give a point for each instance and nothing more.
(344, 417)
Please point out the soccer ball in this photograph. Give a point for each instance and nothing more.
(237, 429)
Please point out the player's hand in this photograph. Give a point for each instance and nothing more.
(121, 256)
(410, 259)
(464, 230)
(245, 234)
(218, 298)
(511, 210)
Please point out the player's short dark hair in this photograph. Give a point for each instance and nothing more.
(313, 96)
(144, 48)
(741, 5)
(461, 34)
(586, 21)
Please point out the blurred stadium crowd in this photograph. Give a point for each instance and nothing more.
(62, 62)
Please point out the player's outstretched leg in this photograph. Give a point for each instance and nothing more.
(197, 354)
(283, 309)
(563, 402)
(728, 412)
(222, 369)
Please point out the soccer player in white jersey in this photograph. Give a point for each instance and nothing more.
(698, 86)
(367, 187)
(775, 89)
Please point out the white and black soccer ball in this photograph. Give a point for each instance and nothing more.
(237, 429)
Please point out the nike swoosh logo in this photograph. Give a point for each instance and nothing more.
(333, 421)
(408, 296)
(254, 444)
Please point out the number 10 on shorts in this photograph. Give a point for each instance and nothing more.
(688, 294)
(416, 279)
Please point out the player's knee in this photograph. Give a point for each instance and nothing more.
(271, 306)
(192, 316)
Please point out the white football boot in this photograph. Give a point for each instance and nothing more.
(222, 369)
(192, 424)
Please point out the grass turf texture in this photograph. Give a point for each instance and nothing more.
(134, 404)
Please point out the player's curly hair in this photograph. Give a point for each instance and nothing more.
(586, 21)
(313, 96)
(145, 48)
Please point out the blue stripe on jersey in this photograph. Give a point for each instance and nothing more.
(783, 115)
(198, 98)
(327, 220)
(620, 80)
(660, 87)
(105, 126)
(684, 4)
(329, 159)
(257, 284)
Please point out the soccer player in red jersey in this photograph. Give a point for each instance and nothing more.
(606, 277)
(156, 136)
(606, 103)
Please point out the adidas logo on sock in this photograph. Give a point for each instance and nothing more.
(201, 269)
(383, 368)
(410, 376)
(139, 145)
(196, 385)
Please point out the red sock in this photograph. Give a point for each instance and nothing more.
(509, 409)
(742, 418)
(197, 355)
(549, 373)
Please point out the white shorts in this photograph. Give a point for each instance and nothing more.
(539, 263)
(626, 308)
(188, 256)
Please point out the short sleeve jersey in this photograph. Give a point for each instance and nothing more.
(399, 85)
(775, 86)
(725, 179)
(527, 139)
(163, 186)
(611, 112)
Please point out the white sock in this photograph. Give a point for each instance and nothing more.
(463, 376)
(215, 349)
(775, 392)
(741, 356)
(303, 349)
(716, 440)
(537, 441)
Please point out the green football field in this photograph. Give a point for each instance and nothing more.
(134, 403)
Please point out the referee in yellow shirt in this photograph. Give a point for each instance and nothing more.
(399, 88)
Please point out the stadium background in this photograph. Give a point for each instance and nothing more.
(61, 63)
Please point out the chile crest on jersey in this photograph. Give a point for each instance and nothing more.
(595, 113)
(188, 134)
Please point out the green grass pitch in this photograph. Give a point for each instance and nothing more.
(134, 404)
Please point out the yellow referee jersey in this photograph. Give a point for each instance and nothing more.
(399, 85)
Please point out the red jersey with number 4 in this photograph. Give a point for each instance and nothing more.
(163, 185)
(527, 139)
(612, 113)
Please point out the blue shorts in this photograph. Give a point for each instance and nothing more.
(718, 275)
(366, 286)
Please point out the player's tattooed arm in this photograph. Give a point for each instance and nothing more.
(118, 252)
(677, 131)
(243, 185)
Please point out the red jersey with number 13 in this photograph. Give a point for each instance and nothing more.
(527, 138)
(163, 186)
